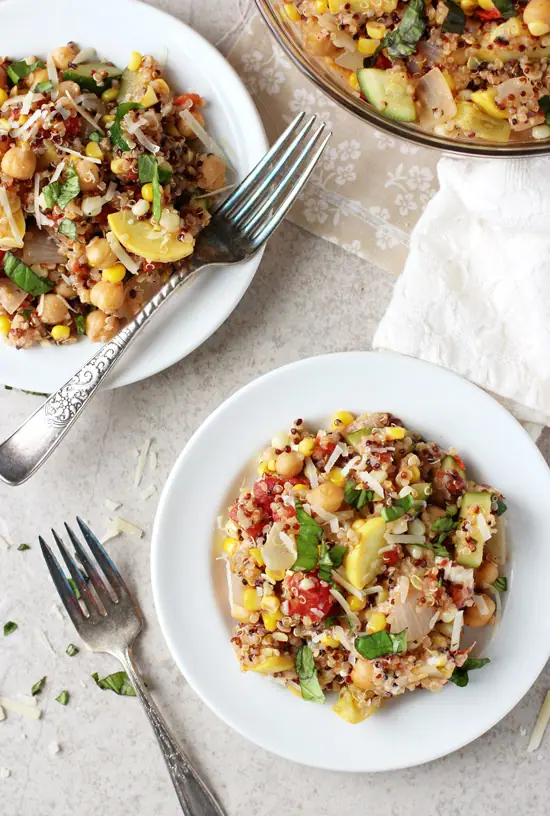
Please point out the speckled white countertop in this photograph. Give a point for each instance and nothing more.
(109, 761)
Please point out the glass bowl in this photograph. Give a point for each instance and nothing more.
(327, 80)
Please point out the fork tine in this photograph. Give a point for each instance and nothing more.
(85, 595)
(293, 175)
(93, 574)
(295, 183)
(61, 584)
(237, 209)
(98, 551)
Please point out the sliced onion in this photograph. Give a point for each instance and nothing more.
(351, 61)
(436, 100)
(40, 249)
(408, 615)
(11, 296)
(278, 553)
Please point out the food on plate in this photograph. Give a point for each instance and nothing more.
(473, 69)
(106, 178)
(355, 560)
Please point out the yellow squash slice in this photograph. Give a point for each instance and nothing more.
(272, 665)
(7, 239)
(363, 562)
(141, 238)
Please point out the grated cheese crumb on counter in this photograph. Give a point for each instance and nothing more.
(44, 640)
(2, 714)
(142, 461)
(5, 773)
(17, 707)
(123, 526)
(540, 726)
(54, 748)
(148, 492)
(112, 505)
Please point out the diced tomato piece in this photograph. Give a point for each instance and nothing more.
(264, 492)
(72, 125)
(488, 14)
(459, 461)
(460, 595)
(256, 529)
(196, 99)
(383, 62)
(391, 557)
(314, 600)
(284, 513)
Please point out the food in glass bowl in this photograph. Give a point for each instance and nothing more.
(106, 178)
(474, 69)
(356, 559)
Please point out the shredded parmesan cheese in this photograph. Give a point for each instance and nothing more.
(148, 492)
(145, 141)
(27, 102)
(131, 265)
(5, 204)
(37, 213)
(52, 76)
(76, 153)
(311, 473)
(347, 586)
(86, 55)
(58, 170)
(217, 192)
(457, 631)
(540, 726)
(124, 526)
(112, 505)
(404, 585)
(373, 483)
(333, 458)
(31, 712)
(85, 115)
(2, 714)
(352, 617)
(142, 461)
(350, 465)
(483, 527)
(201, 134)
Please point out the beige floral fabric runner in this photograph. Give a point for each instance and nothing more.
(370, 189)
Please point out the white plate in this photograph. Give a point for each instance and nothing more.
(116, 29)
(189, 586)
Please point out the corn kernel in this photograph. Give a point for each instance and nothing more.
(230, 545)
(275, 575)
(321, 6)
(376, 623)
(114, 274)
(256, 554)
(270, 603)
(135, 61)
(147, 192)
(486, 4)
(357, 524)
(299, 488)
(60, 332)
(172, 130)
(108, 119)
(336, 477)
(356, 604)
(341, 419)
(22, 119)
(415, 473)
(270, 620)
(353, 82)
(335, 5)
(149, 98)
(251, 600)
(538, 28)
(395, 433)
(5, 325)
(328, 640)
(468, 6)
(306, 447)
(94, 151)
(3, 96)
(439, 640)
(292, 12)
(161, 86)
(382, 596)
(486, 101)
(367, 46)
(262, 467)
(118, 166)
(376, 30)
(4, 124)
(272, 465)
(240, 614)
(109, 95)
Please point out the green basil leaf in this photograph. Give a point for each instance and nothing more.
(325, 563)
(307, 675)
(20, 70)
(460, 675)
(307, 541)
(475, 663)
(43, 87)
(445, 525)
(68, 228)
(380, 644)
(544, 105)
(118, 682)
(75, 589)
(63, 697)
(157, 194)
(370, 62)
(437, 546)
(356, 496)
(95, 136)
(401, 42)
(51, 193)
(146, 170)
(37, 688)
(506, 8)
(71, 650)
(9, 627)
(24, 277)
(501, 507)
(23, 547)
(115, 132)
(455, 20)
(330, 620)
(398, 508)
(80, 322)
(501, 584)
(70, 189)
(337, 555)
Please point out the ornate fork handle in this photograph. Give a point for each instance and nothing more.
(193, 795)
(27, 448)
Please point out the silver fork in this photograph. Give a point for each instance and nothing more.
(109, 620)
(238, 230)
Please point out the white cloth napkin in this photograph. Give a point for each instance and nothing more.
(475, 292)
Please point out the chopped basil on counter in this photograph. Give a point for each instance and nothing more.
(23, 276)
(380, 644)
(20, 70)
(9, 627)
(501, 584)
(307, 675)
(118, 682)
(115, 132)
(460, 675)
(37, 688)
(23, 547)
(63, 697)
(455, 19)
(71, 650)
(307, 541)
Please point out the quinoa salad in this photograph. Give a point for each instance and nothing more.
(356, 559)
(469, 69)
(106, 177)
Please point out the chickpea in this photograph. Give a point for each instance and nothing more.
(473, 617)
(317, 41)
(99, 254)
(362, 675)
(108, 297)
(19, 163)
(289, 464)
(88, 174)
(328, 496)
(3, 78)
(536, 17)
(101, 327)
(40, 75)
(62, 56)
(65, 290)
(54, 310)
(487, 573)
(70, 88)
(211, 174)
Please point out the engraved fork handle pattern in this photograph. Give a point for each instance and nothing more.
(31, 444)
(193, 795)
